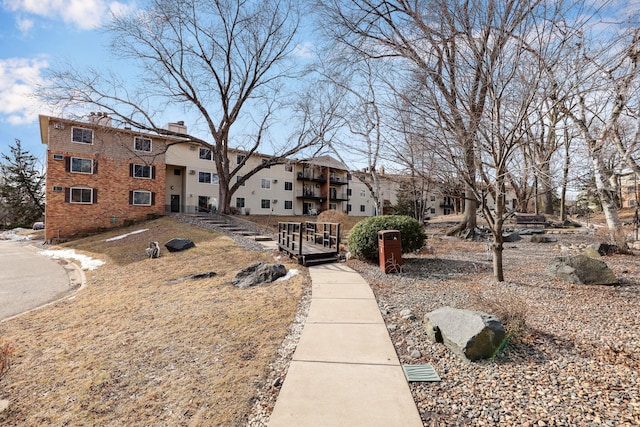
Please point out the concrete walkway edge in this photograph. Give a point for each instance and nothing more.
(345, 371)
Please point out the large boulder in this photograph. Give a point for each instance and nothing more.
(581, 269)
(258, 273)
(179, 244)
(470, 334)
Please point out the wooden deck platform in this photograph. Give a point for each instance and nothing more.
(310, 242)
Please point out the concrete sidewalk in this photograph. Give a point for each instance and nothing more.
(345, 371)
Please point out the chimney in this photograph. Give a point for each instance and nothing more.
(99, 118)
(177, 127)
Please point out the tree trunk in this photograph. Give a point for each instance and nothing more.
(547, 189)
(605, 193)
(565, 175)
(469, 219)
(498, 271)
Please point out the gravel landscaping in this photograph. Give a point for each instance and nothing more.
(575, 362)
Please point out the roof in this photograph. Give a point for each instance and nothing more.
(326, 161)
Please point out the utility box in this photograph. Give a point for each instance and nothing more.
(390, 251)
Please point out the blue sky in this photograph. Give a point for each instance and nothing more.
(34, 35)
(38, 34)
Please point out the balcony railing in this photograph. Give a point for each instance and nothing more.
(309, 194)
(303, 176)
(338, 180)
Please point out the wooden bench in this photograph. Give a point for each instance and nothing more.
(531, 220)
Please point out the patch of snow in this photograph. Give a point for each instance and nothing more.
(289, 275)
(13, 235)
(86, 262)
(122, 236)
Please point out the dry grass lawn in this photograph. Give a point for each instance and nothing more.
(136, 347)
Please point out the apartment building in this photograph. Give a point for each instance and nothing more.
(296, 187)
(98, 176)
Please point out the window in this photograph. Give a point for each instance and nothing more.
(333, 206)
(81, 195)
(240, 158)
(177, 172)
(348, 208)
(288, 167)
(204, 177)
(362, 208)
(238, 178)
(363, 193)
(79, 165)
(265, 203)
(141, 198)
(631, 190)
(142, 144)
(239, 202)
(58, 157)
(81, 135)
(288, 186)
(433, 211)
(288, 204)
(141, 171)
(205, 154)
(265, 183)
(349, 192)
(433, 198)
(215, 178)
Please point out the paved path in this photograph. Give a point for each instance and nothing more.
(345, 371)
(28, 279)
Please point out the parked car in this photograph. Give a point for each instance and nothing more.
(38, 225)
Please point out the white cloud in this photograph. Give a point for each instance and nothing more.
(24, 24)
(19, 78)
(82, 14)
(303, 50)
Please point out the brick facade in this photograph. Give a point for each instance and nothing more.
(105, 185)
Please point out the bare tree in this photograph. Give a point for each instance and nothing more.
(606, 79)
(224, 62)
(452, 45)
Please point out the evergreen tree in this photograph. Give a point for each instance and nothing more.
(21, 188)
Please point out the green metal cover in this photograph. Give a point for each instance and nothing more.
(415, 373)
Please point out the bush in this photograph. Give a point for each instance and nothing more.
(363, 240)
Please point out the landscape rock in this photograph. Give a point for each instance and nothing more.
(581, 269)
(509, 238)
(540, 238)
(4, 405)
(407, 314)
(470, 334)
(605, 249)
(153, 251)
(258, 273)
(179, 244)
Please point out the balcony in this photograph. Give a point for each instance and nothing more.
(338, 180)
(309, 194)
(338, 197)
(306, 176)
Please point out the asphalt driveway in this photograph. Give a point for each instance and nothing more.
(28, 279)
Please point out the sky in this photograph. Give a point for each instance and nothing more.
(35, 35)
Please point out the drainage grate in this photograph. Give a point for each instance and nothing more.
(415, 373)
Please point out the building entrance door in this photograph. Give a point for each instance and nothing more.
(175, 203)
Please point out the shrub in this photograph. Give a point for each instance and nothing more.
(363, 240)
